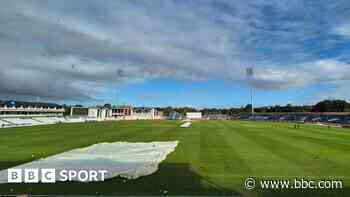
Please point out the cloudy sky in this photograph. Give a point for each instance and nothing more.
(164, 52)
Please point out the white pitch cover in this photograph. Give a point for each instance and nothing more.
(123, 159)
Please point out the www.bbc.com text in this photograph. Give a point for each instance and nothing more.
(251, 183)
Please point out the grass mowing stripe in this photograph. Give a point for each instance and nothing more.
(320, 161)
(339, 133)
(215, 158)
(324, 142)
(333, 166)
(330, 134)
(189, 142)
(283, 148)
(223, 154)
(211, 151)
(239, 165)
(261, 160)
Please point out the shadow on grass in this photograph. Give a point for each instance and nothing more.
(170, 179)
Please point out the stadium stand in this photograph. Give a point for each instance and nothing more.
(326, 119)
(21, 121)
(5, 124)
(60, 119)
(89, 119)
(46, 120)
(75, 120)
(19, 113)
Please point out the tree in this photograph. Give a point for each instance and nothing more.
(248, 108)
(331, 106)
(107, 105)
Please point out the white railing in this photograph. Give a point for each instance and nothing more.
(31, 109)
(30, 115)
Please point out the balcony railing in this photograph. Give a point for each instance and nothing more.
(30, 109)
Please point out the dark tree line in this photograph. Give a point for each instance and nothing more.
(323, 106)
(332, 106)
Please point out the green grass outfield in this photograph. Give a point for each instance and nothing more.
(212, 158)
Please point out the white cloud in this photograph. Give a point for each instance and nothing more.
(335, 90)
(78, 48)
(303, 74)
(343, 30)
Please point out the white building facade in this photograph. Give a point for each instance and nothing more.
(194, 115)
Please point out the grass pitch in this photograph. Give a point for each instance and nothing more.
(212, 158)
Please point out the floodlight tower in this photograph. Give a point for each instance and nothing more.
(250, 75)
(119, 75)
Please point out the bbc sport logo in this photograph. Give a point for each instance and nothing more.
(49, 175)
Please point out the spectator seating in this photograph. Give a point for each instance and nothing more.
(75, 120)
(46, 120)
(5, 124)
(22, 121)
